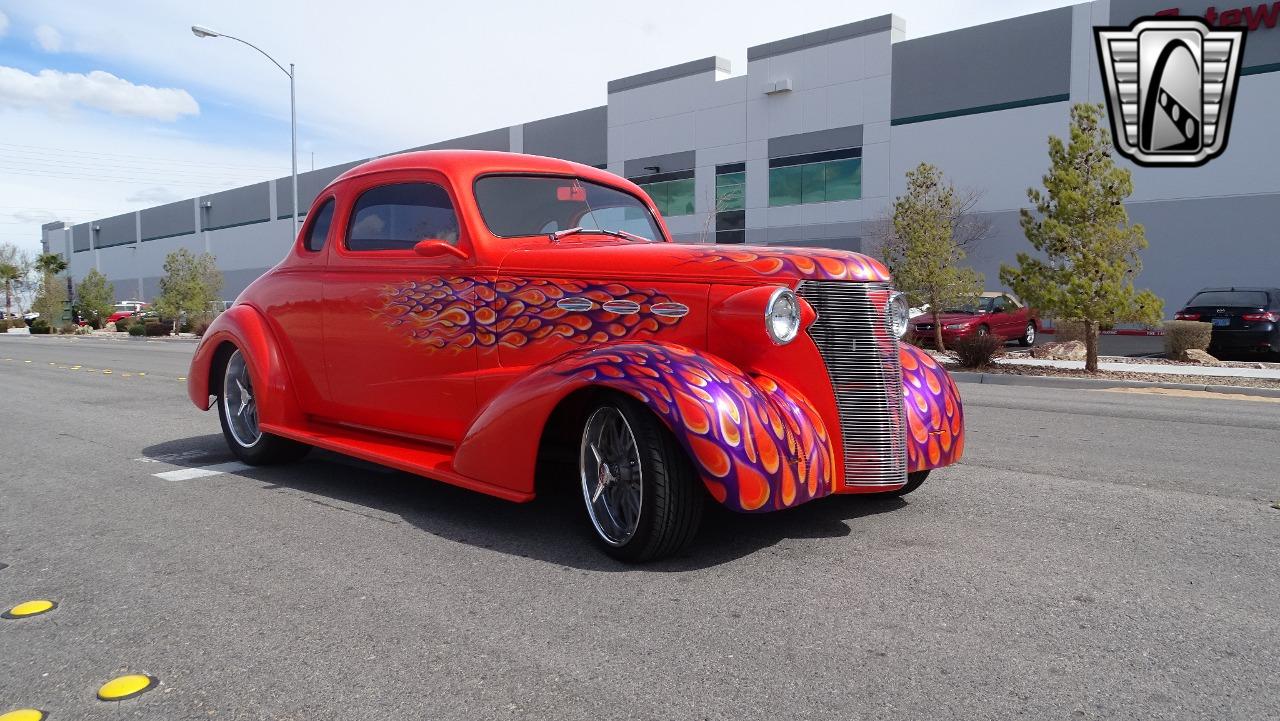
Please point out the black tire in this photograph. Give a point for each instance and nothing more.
(1028, 335)
(983, 330)
(268, 449)
(914, 480)
(671, 495)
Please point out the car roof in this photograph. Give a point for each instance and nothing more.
(466, 165)
(1237, 287)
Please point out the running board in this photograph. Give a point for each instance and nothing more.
(419, 458)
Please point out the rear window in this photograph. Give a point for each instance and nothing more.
(521, 205)
(1247, 298)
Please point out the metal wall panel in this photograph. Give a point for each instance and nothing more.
(240, 206)
(166, 221)
(80, 237)
(816, 142)
(581, 137)
(499, 139)
(116, 230)
(667, 163)
(310, 184)
(1009, 62)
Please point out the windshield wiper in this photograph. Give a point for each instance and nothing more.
(557, 235)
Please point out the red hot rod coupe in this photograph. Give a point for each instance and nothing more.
(466, 315)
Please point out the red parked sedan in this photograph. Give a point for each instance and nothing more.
(995, 313)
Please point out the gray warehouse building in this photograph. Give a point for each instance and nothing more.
(811, 144)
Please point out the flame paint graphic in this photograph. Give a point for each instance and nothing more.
(758, 446)
(811, 263)
(465, 312)
(935, 419)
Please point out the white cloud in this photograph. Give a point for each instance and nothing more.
(155, 195)
(56, 90)
(4, 24)
(48, 38)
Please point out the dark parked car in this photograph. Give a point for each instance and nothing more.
(1245, 320)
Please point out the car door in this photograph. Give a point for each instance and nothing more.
(399, 330)
(1000, 317)
(1018, 315)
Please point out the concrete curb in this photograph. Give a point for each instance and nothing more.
(1011, 379)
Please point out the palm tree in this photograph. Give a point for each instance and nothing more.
(51, 263)
(9, 274)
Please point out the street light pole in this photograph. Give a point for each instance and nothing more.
(203, 32)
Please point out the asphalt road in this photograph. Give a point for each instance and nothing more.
(1097, 555)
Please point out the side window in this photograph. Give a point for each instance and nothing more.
(319, 228)
(397, 216)
(998, 305)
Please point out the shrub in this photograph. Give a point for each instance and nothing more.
(976, 351)
(122, 325)
(67, 328)
(96, 323)
(157, 327)
(1181, 336)
(41, 326)
(1068, 330)
(137, 330)
(199, 327)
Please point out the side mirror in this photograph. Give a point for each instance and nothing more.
(434, 248)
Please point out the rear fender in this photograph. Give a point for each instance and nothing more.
(935, 418)
(756, 443)
(245, 328)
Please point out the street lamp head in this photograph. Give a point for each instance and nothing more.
(201, 31)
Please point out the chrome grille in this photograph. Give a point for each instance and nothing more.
(861, 354)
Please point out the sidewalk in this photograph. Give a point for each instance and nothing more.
(1170, 369)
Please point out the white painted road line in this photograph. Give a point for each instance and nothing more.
(187, 474)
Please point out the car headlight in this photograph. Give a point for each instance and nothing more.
(955, 326)
(899, 314)
(782, 316)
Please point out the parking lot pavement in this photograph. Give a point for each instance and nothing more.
(1097, 555)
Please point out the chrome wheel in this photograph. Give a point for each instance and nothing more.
(612, 482)
(239, 405)
(982, 330)
(1031, 333)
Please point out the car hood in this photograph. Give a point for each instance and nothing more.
(676, 261)
(946, 318)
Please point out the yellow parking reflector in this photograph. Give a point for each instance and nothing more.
(23, 714)
(29, 608)
(26, 361)
(128, 686)
(75, 368)
(142, 374)
(106, 371)
(182, 378)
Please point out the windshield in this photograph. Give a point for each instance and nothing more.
(983, 305)
(521, 205)
(1248, 298)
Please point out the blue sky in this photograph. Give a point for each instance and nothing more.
(178, 116)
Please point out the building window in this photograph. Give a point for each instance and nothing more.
(731, 190)
(816, 177)
(671, 192)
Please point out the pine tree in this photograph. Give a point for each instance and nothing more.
(95, 296)
(1088, 252)
(922, 251)
(190, 285)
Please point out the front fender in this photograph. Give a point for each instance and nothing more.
(247, 329)
(756, 443)
(935, 417)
